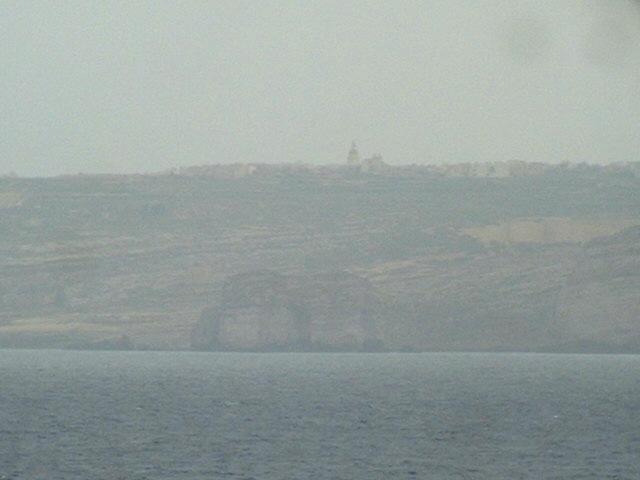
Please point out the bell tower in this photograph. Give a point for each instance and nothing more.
(354, 156)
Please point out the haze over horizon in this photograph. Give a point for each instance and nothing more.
(147, 86)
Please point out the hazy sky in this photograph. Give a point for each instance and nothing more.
(146, 85)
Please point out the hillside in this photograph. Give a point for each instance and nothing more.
(531, 258)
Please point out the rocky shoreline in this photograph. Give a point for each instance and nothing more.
(334, 259)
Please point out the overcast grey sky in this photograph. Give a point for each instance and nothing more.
(146, 85)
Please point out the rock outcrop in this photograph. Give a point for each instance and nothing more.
(599, 305)
(529, 258)
(265, 310)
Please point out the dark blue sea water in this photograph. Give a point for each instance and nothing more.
(114, 415)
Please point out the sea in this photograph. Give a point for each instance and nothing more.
(184, 415)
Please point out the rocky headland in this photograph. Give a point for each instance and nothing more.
(527, 257)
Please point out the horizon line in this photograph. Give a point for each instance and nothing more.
(312, 166)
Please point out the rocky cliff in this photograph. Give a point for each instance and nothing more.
(269, 311)
(432, 259)
(566, 298)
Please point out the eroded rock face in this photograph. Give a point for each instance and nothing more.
(268, 311)
(473, 257)
(599, 306)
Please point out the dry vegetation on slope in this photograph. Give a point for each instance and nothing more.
(106, 261)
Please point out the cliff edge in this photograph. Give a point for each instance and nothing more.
(269, 311)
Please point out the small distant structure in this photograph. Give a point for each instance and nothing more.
(373, 164)
(225, 171)
(353, 158)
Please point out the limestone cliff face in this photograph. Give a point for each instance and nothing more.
(265, 310)
(564, 298)
(600, 305)
(471, 257)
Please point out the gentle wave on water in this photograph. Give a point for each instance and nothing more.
(151, 415)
